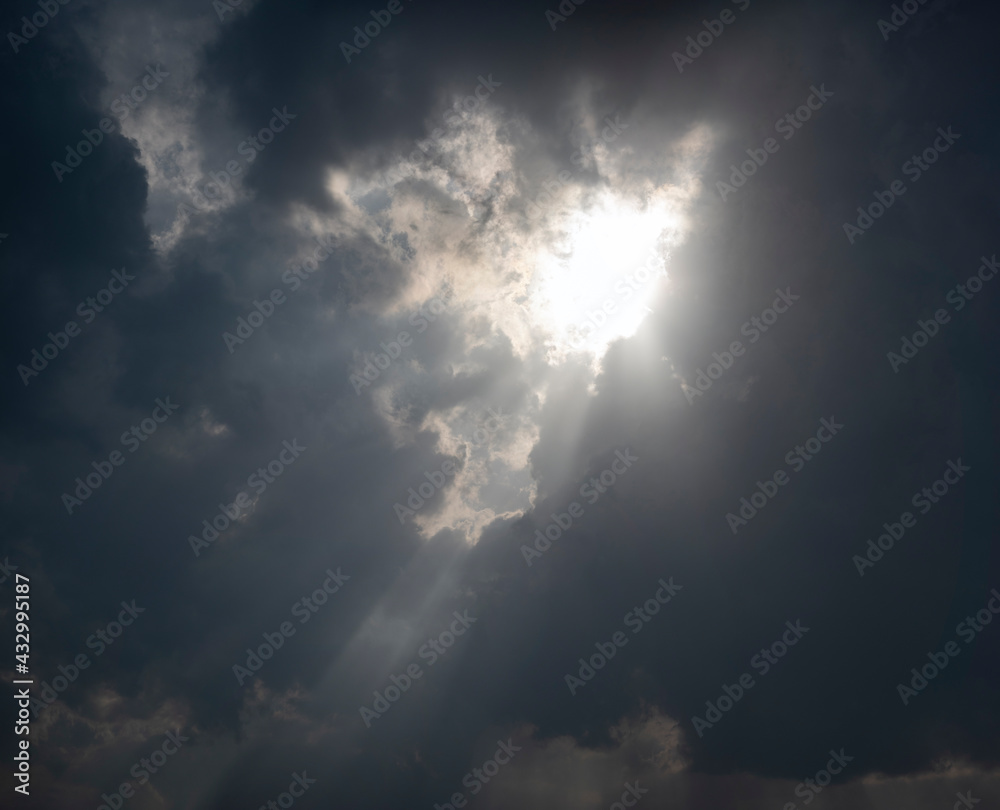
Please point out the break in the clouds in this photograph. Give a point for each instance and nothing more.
(448, 405)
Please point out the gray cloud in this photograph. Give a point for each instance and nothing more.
(410, 217)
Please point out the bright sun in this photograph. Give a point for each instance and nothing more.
(594, 284)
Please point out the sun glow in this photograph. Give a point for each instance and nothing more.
(596, 281)
(555, 280)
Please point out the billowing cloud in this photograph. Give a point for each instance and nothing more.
(537, 403)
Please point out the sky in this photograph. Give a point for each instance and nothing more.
(444, 405)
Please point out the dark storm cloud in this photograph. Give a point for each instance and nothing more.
(665, 518)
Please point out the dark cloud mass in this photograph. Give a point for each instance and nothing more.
(500, 405)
